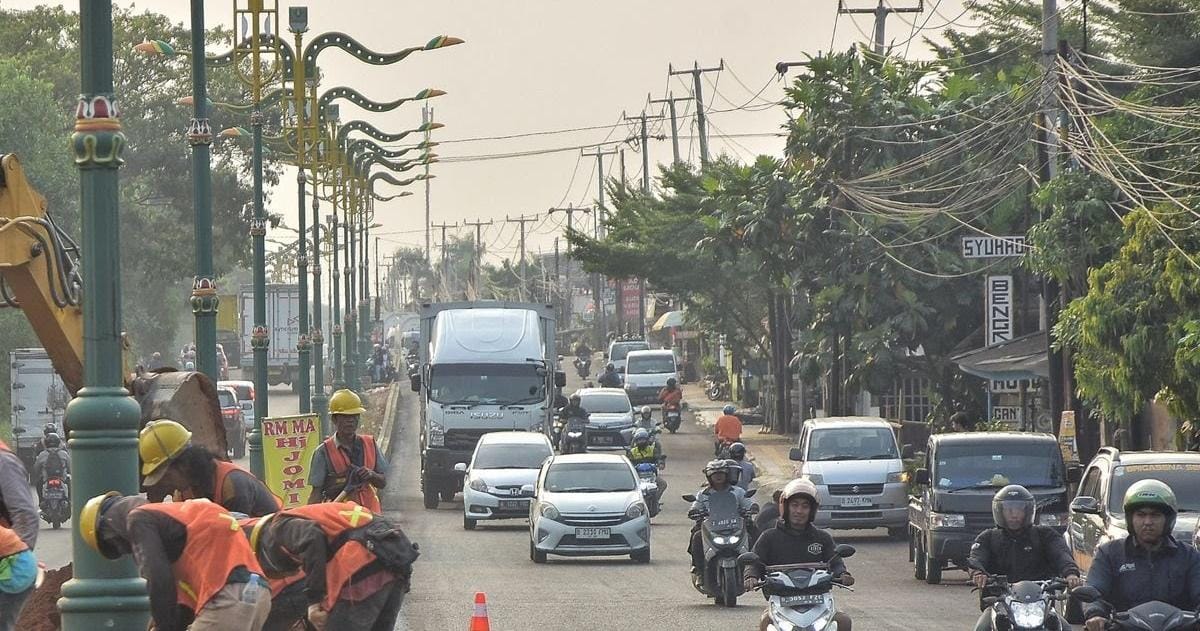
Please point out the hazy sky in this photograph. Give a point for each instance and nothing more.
(545, 65)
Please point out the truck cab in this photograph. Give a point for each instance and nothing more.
(952, 499)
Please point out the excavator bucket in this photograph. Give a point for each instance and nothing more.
(188, 398)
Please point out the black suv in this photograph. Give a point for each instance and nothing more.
(1095, 513)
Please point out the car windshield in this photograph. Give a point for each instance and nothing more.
(227, 399)
(1181, 477)
(852, 443)
(651, 365)
(589, 477)
(619, 351)
(511, 456)
(995, 464)
(605, 404)
(495, 384)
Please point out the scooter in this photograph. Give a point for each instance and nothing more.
(1151, 616)
(798, 595)
(672, 417)
(582, 366)
(723, 534)
(572, 441)
(56, 501)
(1026, 605)
(648, 483)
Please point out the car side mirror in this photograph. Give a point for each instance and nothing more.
(1085, 594)
(1086, 505)
(921, 476)
(689, 497)
(844, 550)
(796, 453)
(1074, 473)
(527, 489)
(560, 379)
(460, 467)
(907, 452)
(415, 382)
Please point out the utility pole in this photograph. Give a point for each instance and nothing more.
(671, 101)
(701, 119)
(597, 233)
(599, 155)
(426, 119)
(881, 12)
(477, 267)
(442, 266)
(570, 210)
(524, 270)
(645, 135)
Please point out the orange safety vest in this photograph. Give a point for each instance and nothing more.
(223, 471)
(365, 494)
(335, 519)
(215, 548)
(10, 543)
(277, 585)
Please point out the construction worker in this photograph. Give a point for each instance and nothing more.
(347, 461)
(19, 514)
(172, 464)
(356, 566)
(199, 569)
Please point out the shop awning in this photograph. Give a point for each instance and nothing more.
(1021, 358)
(668, 320)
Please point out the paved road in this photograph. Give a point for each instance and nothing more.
(54, 546)
(615, 593)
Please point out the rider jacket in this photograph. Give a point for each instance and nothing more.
(670, 397)
(784, 545)
(1128, 575)
(651, 453)
(610, 379)
(701, 503)
(1036, 553)
(572, 411)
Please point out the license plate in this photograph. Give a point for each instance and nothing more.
(514, 504)
(592, 533)
(56, 494)
(602, 440)
(856, 501)
(802, 599)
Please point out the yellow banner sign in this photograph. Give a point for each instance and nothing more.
(288, 445)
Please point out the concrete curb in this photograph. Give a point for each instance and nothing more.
(390, 411)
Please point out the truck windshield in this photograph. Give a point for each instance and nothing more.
(651, 365)
(852, 443)
(997, 464)
(1181, 477)
(488, 384)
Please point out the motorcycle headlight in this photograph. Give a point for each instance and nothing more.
(437, 436)
(1052, 519)
(548, 510)
(1027, 615)
(635, 510)
(719, 540)
(477, 484)
(947, 520)
(574, 434)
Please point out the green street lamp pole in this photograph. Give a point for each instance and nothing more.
(103, 418)
(298, 24)
(348, 331)
(204, 287)
(338, 378)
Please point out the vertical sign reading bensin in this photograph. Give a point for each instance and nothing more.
(999, 310)
(288, 445)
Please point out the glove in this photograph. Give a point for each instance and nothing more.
(750, 583)
(317, 617)
(1074, 581)
(695, 514)
(361, 475)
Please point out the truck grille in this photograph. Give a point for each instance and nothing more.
(463, 439)
(980, 521)
(591, 519)
(855, 489)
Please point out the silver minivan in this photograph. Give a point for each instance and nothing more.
(856, 465)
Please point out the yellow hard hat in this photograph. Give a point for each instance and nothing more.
(89, 521)
(256, 532)
(345, 402)
(158, 444)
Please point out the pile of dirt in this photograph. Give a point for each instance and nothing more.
(375, 400)
(41, 610)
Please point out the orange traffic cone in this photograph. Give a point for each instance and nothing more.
(479, 619)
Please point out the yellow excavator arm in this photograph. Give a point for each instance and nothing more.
(34, 274)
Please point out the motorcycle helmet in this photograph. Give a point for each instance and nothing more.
(1014, 496)
(1150, 493)
(610, 366)
(737, 451)
(734, 470)
(646, 411)
(671, 382)
(800, 487)
(50, 428)
(641, 437)
(575, 399)
(53, 441)
(714, 467)
(728, 410)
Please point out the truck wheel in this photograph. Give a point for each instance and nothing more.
(430, 497)
(933, 569)
(448, 495)
(919, 561)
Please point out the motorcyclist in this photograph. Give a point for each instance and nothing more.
(573, 409)
(583, 351)
(670, 395)
(610, 378)
(50, 428)
(728, 429)
(1018, 548)
(645, 450)
(51, 462)
(795, 539)
(646, 417)
(1147, 565)
(737, 453)
(720, 480)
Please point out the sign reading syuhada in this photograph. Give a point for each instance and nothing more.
(288, 444)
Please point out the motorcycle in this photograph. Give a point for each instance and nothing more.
(1151, 616)
(1025, 605)
(716, 389)
(56, 501)
(571, 441)
(582, 366)
(798, 595)
(672, 418)
(723, 534)
(648, 483)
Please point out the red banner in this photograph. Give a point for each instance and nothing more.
(630, 300)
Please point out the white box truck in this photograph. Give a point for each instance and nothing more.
(283, 328)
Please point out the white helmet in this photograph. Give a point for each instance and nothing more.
(799, 487)
(646, 411)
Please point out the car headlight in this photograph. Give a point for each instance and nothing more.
(437, 436)
(815, 478)
(548, 510)
(477, 484)
(1052, 519)
(1027, 615)
(635, 510)
(895, 477)
(947, 520)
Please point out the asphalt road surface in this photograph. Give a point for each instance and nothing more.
(615, 593)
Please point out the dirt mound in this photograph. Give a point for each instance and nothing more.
(41, 611)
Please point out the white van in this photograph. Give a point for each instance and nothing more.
(620, 349)
(646, 372)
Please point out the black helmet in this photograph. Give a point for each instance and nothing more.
(671, 382)
(1014, 496)
(50, 428)
(53, 441)
(737, 451)
(610, 366)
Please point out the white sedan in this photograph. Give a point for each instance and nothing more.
(494, 482)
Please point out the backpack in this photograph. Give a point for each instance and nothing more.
(389, 544)
(54, 463)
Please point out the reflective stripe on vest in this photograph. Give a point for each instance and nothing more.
(335, 519)
(215, 547)
(365, 494)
